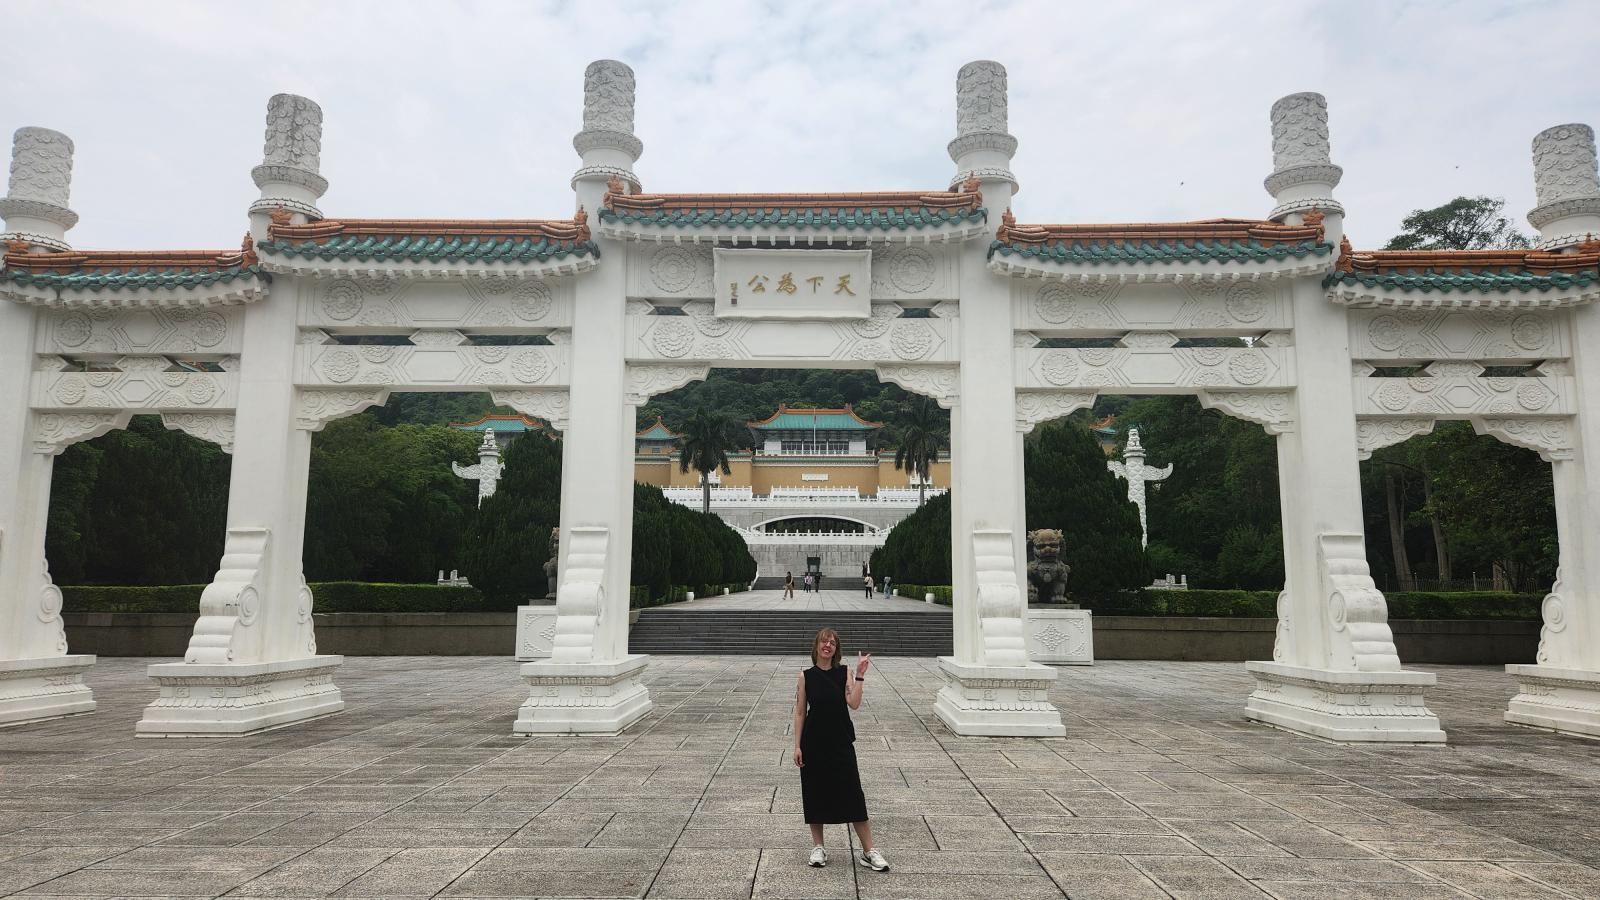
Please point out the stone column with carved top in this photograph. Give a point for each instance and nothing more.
(252, 662)
(590, 683)
(39, 679)
(1334, 672)
(991, 686)
(1566, 183)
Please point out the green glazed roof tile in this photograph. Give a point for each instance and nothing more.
(1447, 281)
(1136, 251)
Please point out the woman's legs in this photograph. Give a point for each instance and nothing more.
(864, 830)
(816, 835)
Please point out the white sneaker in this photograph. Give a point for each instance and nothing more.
(819, 856)
(874, 860)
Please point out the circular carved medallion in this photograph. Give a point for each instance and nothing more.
(1530, 332)
(377, 353)
(1394, 396)
(70, 391)
(1246, 302)
(711, 326)
(1386, 333)
(1208, 356)
(530, 366)
(878, 324)
(342, 300)
(1059, 367)
(531, 301)
(340, 365)
(1096, 356)
(673, 269)
(1054, 304)
(491, 353)
(209, 329)
(1248, 367)
(201, 391)
(672, 336)
(1534, 396)
(912, 270)
(73, 330)
(912, 340)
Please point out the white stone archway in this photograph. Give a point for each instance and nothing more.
(637, 293)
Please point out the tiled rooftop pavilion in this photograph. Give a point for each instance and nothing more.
(1159, 788)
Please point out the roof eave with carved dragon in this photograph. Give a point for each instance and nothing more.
(1466, 279)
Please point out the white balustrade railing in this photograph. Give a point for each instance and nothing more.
(890, 497)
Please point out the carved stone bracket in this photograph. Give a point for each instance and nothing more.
(554, 407)
(582, 594)
(1273, 410)
(1034, 407)
(316, 408)
(1357, 614)
(1000, 602)
(216, 428)
(942, 383)
(645, 381)
(233, 598)
(55, 432)
(1375, 434)
(1550, 437)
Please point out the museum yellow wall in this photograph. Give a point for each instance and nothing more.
(762, 474)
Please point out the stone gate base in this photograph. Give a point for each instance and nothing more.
(1564, 700)
(998, 701)
(32, 690)
(583, 698)
(231, 700)
(1368, 707)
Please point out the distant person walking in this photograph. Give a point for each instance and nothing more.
(886, 580)
(866, 583)
(806, 583)
(788, 586)
(824, 747)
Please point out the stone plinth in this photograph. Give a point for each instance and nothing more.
(1060, 637)
(1368, 707)
(583, 698)
(536, 632)
(1564, 700)
(35, 689)
(230, 700)
(1005, 701)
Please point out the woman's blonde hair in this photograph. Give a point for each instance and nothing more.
(838, 648)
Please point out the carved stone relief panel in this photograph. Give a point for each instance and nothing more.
(1552, 438)
(1148, 362)
(669, 271)
(498, 304)
(1423, 334)
(1034, 407)
(1273, 410)
(1191, 305)
(1375, 434)
(437, 357)
(913, 273)
(701, 336)
(54, 432)
(144, 383)
(157, 330)
(1447, 394)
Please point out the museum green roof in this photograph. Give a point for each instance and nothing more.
(515, 424)
(434, 240)
(880, 211)
(1212, 240)
(786, 419)
(658, 431)
(1467, 270)
(103, 270)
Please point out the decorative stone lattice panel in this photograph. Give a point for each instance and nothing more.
(670, 271)
(1459, 396)
(1103, 307)
(702, 337)
(499, 305)
(1410, 335)
(1149, 364)
(176, 330)
(143, 385)
(436, 359)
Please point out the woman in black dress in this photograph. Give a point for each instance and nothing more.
(824, 747)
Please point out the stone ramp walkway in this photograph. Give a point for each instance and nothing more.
(1159, 789)
(817, 601)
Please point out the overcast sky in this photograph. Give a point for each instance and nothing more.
(1125, 112)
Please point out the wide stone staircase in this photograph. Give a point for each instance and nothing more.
(829, 583)
(774, 632)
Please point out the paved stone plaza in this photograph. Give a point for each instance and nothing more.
(1160, 788)
(813, 601)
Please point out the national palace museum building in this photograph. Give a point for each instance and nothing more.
(1006, 314)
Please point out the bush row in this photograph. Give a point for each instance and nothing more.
(639, 595)
(1264, 604)
(341, 596)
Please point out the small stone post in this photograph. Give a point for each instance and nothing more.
(289, 175)
(35, 206)
(983, 148)
(1303, 174)
(607, 144)
(1566, 183)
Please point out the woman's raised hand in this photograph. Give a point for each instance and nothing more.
(862, 662)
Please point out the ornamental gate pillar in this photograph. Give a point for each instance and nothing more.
(1561, 691)
(38, 678)
(590, 683)
(1334, 673)
(252, 662)
(991, 687)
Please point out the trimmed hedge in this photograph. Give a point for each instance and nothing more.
(1264, 604)
(639, 595)
(331, 596)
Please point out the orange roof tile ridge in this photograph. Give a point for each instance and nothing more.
(1533, 260)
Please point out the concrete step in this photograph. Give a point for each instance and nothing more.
(790, 632)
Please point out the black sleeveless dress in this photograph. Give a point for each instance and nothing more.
(830, 783)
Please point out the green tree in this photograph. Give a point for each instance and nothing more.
(923, 431)
(708, 438)
(508, 543)
(917, 551)
(1465, 223)
(1070, 488)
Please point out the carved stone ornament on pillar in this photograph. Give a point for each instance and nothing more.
(289, 175)
(982, 148)
(1004, 693)
(1364, 695)
(35, 206)
(49, 687)
(607, 144)
(1566, 181)
(1303, 174)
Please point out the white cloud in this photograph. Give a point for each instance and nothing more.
(1124, 112)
